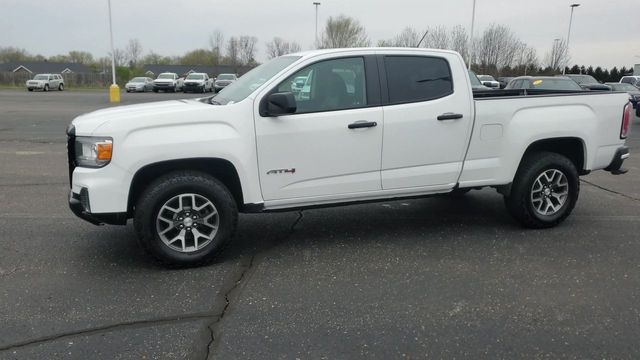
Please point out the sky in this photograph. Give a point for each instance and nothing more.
(604, 32)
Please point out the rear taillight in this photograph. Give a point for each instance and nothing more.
(626, 120)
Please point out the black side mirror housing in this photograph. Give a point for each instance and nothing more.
(279, 104)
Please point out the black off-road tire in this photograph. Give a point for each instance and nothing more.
(519, 203)
(46, 87)
(168, 186)
(61, 87)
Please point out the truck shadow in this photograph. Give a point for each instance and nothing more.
(427, 221)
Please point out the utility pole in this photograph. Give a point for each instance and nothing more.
(316, 4)
(114, 90)
(473, 22)
(572, 6)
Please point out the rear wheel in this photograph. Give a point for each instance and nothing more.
(545, 190)
(46, 87)
(29, 89)
(185, 219)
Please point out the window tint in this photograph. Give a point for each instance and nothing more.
(328, 85)
(417, 78)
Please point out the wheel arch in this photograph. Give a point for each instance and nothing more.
(221, 169)
(572, 147)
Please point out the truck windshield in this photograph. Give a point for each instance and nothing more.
(165, 76)
(195, 77)
(250, 81)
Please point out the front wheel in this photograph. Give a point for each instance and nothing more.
(46, 87)
(185, 219)
(544, 191)
(61, 87)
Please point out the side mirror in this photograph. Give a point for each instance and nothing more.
(279, 104)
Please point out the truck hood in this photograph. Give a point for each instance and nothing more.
(127, 116)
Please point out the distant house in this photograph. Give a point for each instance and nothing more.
(153, 70)
(44, 67)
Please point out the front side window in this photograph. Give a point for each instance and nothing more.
(336, 84)
(417, 78)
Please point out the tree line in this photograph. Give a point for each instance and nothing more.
(496, 51)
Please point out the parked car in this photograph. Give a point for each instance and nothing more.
(139, 84)
(298, 83)
(587, 82)
(489, 81)
(633, 80)
(198, 82)
(543, 83)
(504, 81)
(476, 85)
(46, 82)
(167, 82)
(184, 182)
(634, 94)
(223, 80)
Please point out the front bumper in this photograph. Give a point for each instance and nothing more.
(618, 159)
(189, 87)
(79, 205)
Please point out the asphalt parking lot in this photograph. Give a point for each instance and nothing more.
(429, 278)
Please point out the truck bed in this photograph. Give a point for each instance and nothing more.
(483, 94)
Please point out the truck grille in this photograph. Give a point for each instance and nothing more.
(71, 151)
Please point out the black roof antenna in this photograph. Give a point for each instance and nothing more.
(423, 36)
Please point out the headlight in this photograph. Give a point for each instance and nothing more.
(93, 151)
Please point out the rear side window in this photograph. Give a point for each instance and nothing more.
(417, 78)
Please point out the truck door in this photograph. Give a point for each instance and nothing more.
(428, 120)
(332, 144)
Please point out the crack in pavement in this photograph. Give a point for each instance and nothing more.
(610, 190)
(215, 315)
(34, 184)
(10, 272)
(214, 326)
(109, 328)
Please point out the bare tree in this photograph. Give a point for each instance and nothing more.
(216, 42)
(133, 52)
(233, 51)
(409, 37)
(459, 41)
(119, 56)
(80, 57)
(152, 58)
(247, 49)
(278, 47)
(342, 32)
(437, 38)
(498, 47)
(559, 55)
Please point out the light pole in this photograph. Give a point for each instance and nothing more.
(572, 6)
(316, 4)
(114, 91)
(473, 23)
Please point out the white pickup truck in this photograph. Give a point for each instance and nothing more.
(168, 82)
(377, 124)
